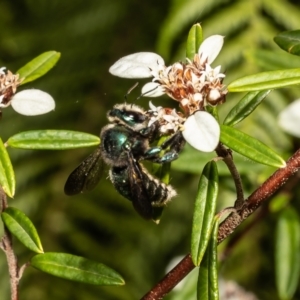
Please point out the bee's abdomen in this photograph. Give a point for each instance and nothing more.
(155, 191)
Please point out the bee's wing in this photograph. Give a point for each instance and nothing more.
(86, 176)
(140, 198)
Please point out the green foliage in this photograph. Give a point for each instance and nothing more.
(266, 80)
(205, 207)
(289, 41)
(39, 66)
(62, 265)
(250, 147)
(7, 175)
(91, 37)
(194, 41)
(22, 228)
(52, 140)
(287, 253)
(76, 268)
(208, 285)
(245, 107)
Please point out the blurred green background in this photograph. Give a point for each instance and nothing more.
(91, 35)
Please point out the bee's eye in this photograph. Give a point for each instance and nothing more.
(134, 117)
(129, 116)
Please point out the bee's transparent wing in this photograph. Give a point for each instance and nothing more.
(86, 176)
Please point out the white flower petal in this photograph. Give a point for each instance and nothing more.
(210, 48)
(152, 106)
(32, 102)
(202, 131)
(152, 89)
(289, 118)
(137, 65)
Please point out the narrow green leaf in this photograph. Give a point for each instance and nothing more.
(76, 268)
(265, 81)
(289, 41)
(194, 40)
(208, 287)
(245, 107)
(203, 279)
(205, 207)
(7, 175)
(287, 253)
(22, 228)
(39, 66)
(52, 140)
(250, 147)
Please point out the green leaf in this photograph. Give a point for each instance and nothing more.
(265, 81)
(194, 40)
(7, 175)
(245, 107)
(250, 147)
(52, 139)
(289, 41)
(39, 66)
(287, 253)
(76, 268)
(205, 207)
(208, 287)
(22, 228)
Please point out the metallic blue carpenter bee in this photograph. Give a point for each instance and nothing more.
(124, 143)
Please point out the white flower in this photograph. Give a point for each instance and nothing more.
(289, 118)
(170, 121)
(183, 82)
(200, 130)
(28, 102)
(193, 84)
(32, 102)
(137, 65)
(210, 48)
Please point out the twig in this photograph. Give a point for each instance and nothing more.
(6, 246)
(241, 234)
(22, 269)
(266, 190)
(184, 267)
(226, 154)
(260, 214)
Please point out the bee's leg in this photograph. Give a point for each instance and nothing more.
(151, 132)
(175, 143)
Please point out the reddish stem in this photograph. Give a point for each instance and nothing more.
(166, 285)
(6, 246)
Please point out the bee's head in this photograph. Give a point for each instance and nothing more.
(129, 115)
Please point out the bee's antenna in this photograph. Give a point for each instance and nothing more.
(140, 96)
(130, 90)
